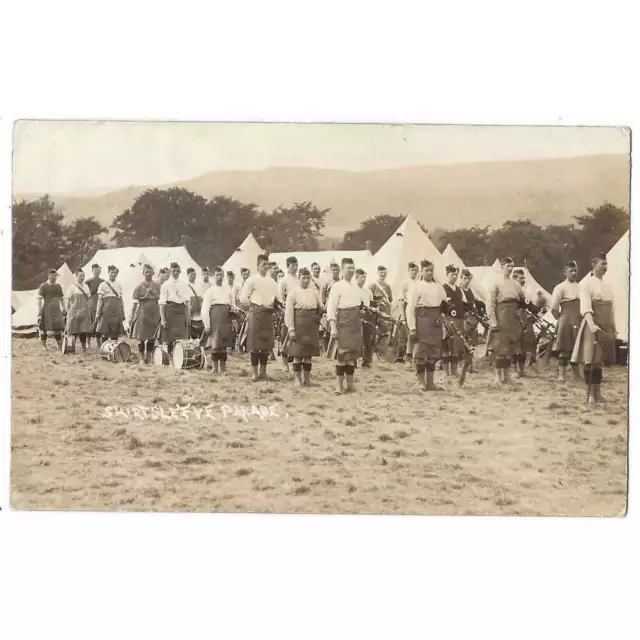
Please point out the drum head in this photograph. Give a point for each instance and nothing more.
(158, 356)
(122, 352)
(178, 355)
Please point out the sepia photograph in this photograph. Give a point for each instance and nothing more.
(320, 318)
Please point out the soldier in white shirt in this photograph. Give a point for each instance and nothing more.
(595, 344)
(405, 341)
(175, 309)
(315, 279)
(565, 308)
(217, 322)
(110, 309)
(424, 319)
(196, 327)
(285, 286)
(78, 311)
(205, 283)
(344, 315)
(369, 320)
(506, 297)
(302, 317)
(260, 293)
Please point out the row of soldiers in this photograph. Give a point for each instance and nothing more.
(439, 321)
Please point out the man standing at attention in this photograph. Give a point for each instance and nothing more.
(175, 309)
(260, 292)
(405, 343)
(110, 312)
(565, 307)
(343, 313)
(285, 287)
(196, 327)
(424, 318)
(217, 327)
(453, 345)
(369, 320)
(93, 283)
(506, 297)
(51, 311)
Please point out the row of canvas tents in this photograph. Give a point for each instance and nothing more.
(409, 243)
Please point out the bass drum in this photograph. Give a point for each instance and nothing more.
(161, 356)
(187, 356)
(68, 346)
(114, 351)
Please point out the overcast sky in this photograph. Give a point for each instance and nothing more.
(85, 157)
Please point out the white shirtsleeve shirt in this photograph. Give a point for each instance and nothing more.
(260, 290)
(214, 295)
(105, 291)
(564, 292)
(175, 291)
(424, 294)
(286, 286)
(367, 296)
(343, 295)
(74, 290)
(591, 289)
(300, 298)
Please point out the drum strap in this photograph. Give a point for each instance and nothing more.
(115, 293)
(82, 291)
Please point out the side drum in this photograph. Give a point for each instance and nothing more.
(161, 356)
(187, 356)
(114, 351)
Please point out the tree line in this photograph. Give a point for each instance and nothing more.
(212, 229)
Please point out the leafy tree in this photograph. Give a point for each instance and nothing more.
(164, 215)
(82, 240)
(38, 241)
(294, 228)
(600, 229)
(473, 245)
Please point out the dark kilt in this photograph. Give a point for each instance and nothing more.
(52, 319)
(221, 336)
(596, 348)
(176, 317)
(567, 327)
(350, 338)
(146, 321)
(505, 340)
(260, 335)
(428, 341)
(307, 341)
(110, 323)
(527, 334)
(78, 322)
(452, 343)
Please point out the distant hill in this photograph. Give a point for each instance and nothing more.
(446, 196)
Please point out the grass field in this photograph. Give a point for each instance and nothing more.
(81, 440)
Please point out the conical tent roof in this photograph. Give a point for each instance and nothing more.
(617, 277)
(246, 255)
(409, 243)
